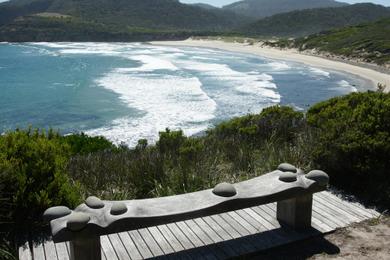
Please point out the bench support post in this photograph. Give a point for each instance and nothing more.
(85, 249)
(295, 212)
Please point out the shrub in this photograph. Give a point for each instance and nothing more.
(33, 177)
(278, 122)
(84, 144)
(354, 143)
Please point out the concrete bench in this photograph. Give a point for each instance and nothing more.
(288, 186)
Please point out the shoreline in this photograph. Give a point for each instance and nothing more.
(374, 76)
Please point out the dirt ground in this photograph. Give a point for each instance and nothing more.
(366, 240)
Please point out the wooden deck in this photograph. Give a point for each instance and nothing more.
(222, 236)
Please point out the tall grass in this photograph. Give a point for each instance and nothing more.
(235, 150)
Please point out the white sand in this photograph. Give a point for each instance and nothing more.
(292, 55)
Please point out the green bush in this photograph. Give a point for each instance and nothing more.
(273, 122)
(84, 144)
(353, 145)
(33, 176)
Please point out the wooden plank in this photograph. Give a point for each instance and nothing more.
(274, 231)
(339, 212)
(259, 218)
(189, 240)
(199, 232)
(129, 245)
(217, 229)
(161, 241)
(24, 252)
(62, 252)
(282, 235)
(210, 232)
(351, 216)
(243, 222)
(38, 252)
(173, 241)
(366, 212)
(50, 250)
(245, 246)
(118, 247)
(356, 208)
(143, 249)
(103, 254)
(267, 214)
(195, 240)
(257, 225)
(67, 244)
(326, 218)
(323, 221)
(265, 240)
(236, 225)
(229, 229)
(107, 248)
(181, 237)
(219, 254)
(240, 225)
(150, 242)
(228, 251)
(221, 231)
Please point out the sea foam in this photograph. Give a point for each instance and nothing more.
(319, 72)
(346, 85)
(252, 83)
(163, 101)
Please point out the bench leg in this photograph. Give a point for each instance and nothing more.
(85, 249)
(295, 212)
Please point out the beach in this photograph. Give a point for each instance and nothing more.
(376, 77)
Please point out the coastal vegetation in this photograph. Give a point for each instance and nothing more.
(310, 21)
(263, 8)
(58, 28)
(347, 136)
(151, 14)
(368, 42)
(137, 20)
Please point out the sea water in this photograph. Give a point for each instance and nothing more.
(129, 91)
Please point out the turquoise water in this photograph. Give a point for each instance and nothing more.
(131, 91)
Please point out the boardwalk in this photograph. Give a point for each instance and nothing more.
(221, 236)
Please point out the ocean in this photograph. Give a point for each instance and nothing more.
(129, 91)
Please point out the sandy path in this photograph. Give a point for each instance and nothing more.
(291, 55)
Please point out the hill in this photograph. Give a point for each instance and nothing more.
(306, 22)
(369, 42)
(264, 8)
(152, 14)
(205, 6)
(50, 27)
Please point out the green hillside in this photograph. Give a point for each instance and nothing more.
(369, 42)
(306, 22)
(205, 6)
(121, 14)
(264, 8)
(52, 27)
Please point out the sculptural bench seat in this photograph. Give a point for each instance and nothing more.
(288, 186)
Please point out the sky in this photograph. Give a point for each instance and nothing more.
(225, 2)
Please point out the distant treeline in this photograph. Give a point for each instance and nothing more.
(51, 29)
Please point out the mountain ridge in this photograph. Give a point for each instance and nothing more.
(157, 14)
(264, 8)
(310, 21)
